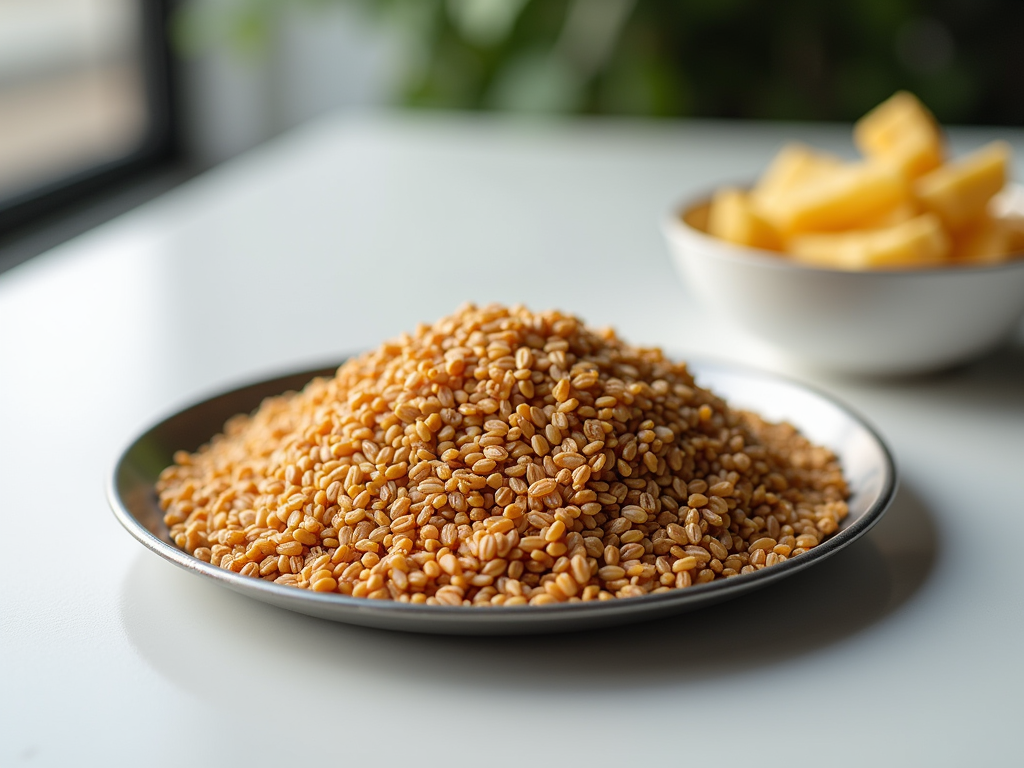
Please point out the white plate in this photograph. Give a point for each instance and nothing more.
(867, 465)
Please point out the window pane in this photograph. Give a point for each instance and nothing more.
(72, 89)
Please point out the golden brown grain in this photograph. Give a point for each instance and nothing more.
(502, 457)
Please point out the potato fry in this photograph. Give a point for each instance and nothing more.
(959, 192)
(919, 242)
(903, 205)
(901, 131)
(844, 198)
(732, 217)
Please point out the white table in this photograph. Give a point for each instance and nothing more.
(902, 650)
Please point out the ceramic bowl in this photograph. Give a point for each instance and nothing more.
(879, 322)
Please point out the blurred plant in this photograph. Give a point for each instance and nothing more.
(798, 59)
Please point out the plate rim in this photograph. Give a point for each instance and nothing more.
(336, 606)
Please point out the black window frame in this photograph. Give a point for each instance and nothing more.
(160, 144)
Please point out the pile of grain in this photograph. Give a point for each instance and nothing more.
(502, 457)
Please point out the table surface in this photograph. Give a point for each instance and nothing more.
(901, 650)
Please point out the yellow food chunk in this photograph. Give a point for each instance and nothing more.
(987, 241)
(903, 212)
(844, 198)
(901, 131)
(731, 217)
(959, 191)
(1015, 235)
(1008, 208)
(793, 165)
(919, 242)
(697, 217)
(901, 206)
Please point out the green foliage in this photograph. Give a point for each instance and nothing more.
(793, 59)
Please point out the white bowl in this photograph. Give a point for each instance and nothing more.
(875, 322)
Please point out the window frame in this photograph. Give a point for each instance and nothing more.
(159, 146)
